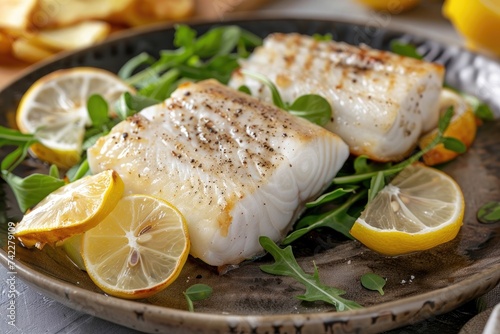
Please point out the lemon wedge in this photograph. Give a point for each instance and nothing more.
(420, 209)
(463, 126)
(70, 210)
(478, 21)
(138, 249)
(55, 109)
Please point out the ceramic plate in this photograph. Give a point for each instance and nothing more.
(247, 300)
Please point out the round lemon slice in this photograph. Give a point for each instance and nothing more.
(420, 209)
(138, 249)
(55, 109)
(463, 127)
(71, 209)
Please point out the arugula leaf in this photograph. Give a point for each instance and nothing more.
(132, 64)
(286, 265)
(14, 137)
(337, 219)
(332, 195)
(405, 49)
(377, 183)
(184, 36)
(214, 54)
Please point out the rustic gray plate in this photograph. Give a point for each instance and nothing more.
(248, 301)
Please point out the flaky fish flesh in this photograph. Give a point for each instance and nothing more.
(237, 168)
(381, 102)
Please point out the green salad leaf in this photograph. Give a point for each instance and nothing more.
(286, 265)
(197, 292)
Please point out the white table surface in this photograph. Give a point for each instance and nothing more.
(38, 314)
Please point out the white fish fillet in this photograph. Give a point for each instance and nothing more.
(381, 102)
(237, 168)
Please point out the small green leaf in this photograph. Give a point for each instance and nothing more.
(322, 37)
(373, 282)
(272, 87)
(336, 219)
(444, 121)
(454, 144)
(14, 137)
(312, 107)
(79, 171)
(480, 109)
(184, 36)
(286, 265)
(330, 196)
(128, 104)
(245, 89)
(361, 165)
(489, 213)
(405, 49)
(97, 108)
(135, 62)
(54, 171)
(377, 183)
(197, 292)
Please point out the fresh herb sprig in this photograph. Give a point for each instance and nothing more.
(312, 107)
(30, 190)
(286, 265)
(212, 55)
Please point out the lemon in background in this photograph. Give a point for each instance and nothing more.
(393, 6)
(478, 21)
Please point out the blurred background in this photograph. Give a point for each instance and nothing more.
(35, 30)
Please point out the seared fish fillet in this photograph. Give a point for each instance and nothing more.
(381, 102)
(237, 168)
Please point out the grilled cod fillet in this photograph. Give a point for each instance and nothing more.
(381, 102)
(237, 168)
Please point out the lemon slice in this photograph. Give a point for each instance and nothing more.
(420, 209)
(71, 209)
(463, 127)
(55, 109)
(138, 249)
